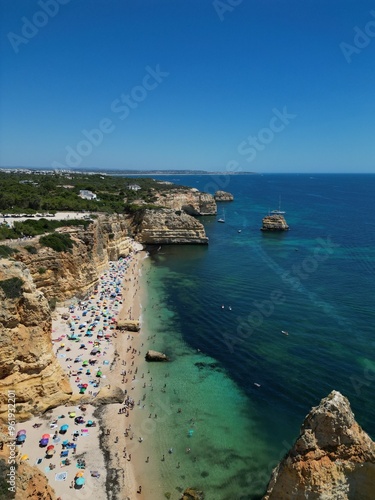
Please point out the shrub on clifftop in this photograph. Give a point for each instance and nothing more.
(57, 241)
(12, 287)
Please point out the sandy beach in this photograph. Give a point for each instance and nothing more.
(89, 451)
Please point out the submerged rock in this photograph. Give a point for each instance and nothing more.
(191, 494)
(156, 356)
(274, 223)
(333, 458)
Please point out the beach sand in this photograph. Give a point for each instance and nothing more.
(109, 472)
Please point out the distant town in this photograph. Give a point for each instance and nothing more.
(45, 171)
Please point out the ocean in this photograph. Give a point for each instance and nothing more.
(233, 397)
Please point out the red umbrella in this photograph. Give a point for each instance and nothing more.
(50, 447)
(45, 436)
(85, 385)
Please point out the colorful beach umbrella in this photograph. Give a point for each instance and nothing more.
(46, 436)
(21, 438)
(22, 431)
(80, 474)
(43, 442)
(64, 427)
(72, 414)
(80, 481)
(24, 457)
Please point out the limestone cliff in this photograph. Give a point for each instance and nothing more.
(61, 275)
(31, 484)
(333, 458)
(223, 196)
(27, 364)
(165, 226)
(274, 223)
(191, 201)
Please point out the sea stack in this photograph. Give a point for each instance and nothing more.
(274, 223)
(332, 458)
(223, 196)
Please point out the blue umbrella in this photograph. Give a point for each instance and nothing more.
(80, 481)
(43, 442)
(21, 438)
(64, 427)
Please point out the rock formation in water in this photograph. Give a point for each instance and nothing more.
(333, 458)
(223, 196)
(274, 223)
(191, 201)
(28, 365)
(191, 494)
(156, 356)
(165, 226)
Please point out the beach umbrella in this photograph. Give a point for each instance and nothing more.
(21, 438)
(85, 363)
(46, 436)
(80, 481)
(72, 414)
(43, 442)
(50, 447)
(24, 457)
(98, 373)
(64, 427)
(85, 386)
(22, 431)
(80, 474)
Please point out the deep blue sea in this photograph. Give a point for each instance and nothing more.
(243, 387)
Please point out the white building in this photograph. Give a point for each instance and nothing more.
(87, 195)
(134, 187)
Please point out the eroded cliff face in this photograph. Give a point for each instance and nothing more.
(27, 364)
(61, 275)
(274, 223)
(333, 458)
(191, 201)
(165, 226)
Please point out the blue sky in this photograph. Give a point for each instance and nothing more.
(189, 84)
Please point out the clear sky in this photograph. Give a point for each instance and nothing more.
(256, 85)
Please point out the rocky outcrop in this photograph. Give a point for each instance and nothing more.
(27, 363)
(165, 226)
(333, 458)
(191, 494)
(223, 196)
(191, 201)
(128, 325)
(156, 356)
(274, 223)
(32, 484)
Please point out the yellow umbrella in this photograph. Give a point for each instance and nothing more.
(80, 474)
(25, 457)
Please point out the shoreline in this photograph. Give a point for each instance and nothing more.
(117, 354)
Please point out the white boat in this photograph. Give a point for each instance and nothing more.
(222, 219)
(279, 211)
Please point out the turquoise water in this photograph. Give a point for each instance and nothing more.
(247, 386)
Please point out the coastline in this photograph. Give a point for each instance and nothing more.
(115, 357)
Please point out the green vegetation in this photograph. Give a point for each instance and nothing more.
(31, 249)
(12, 287)
(42, 270)
(23, 193)
(4, 470)
(36, 227)
(57, 241)
(6, 251)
